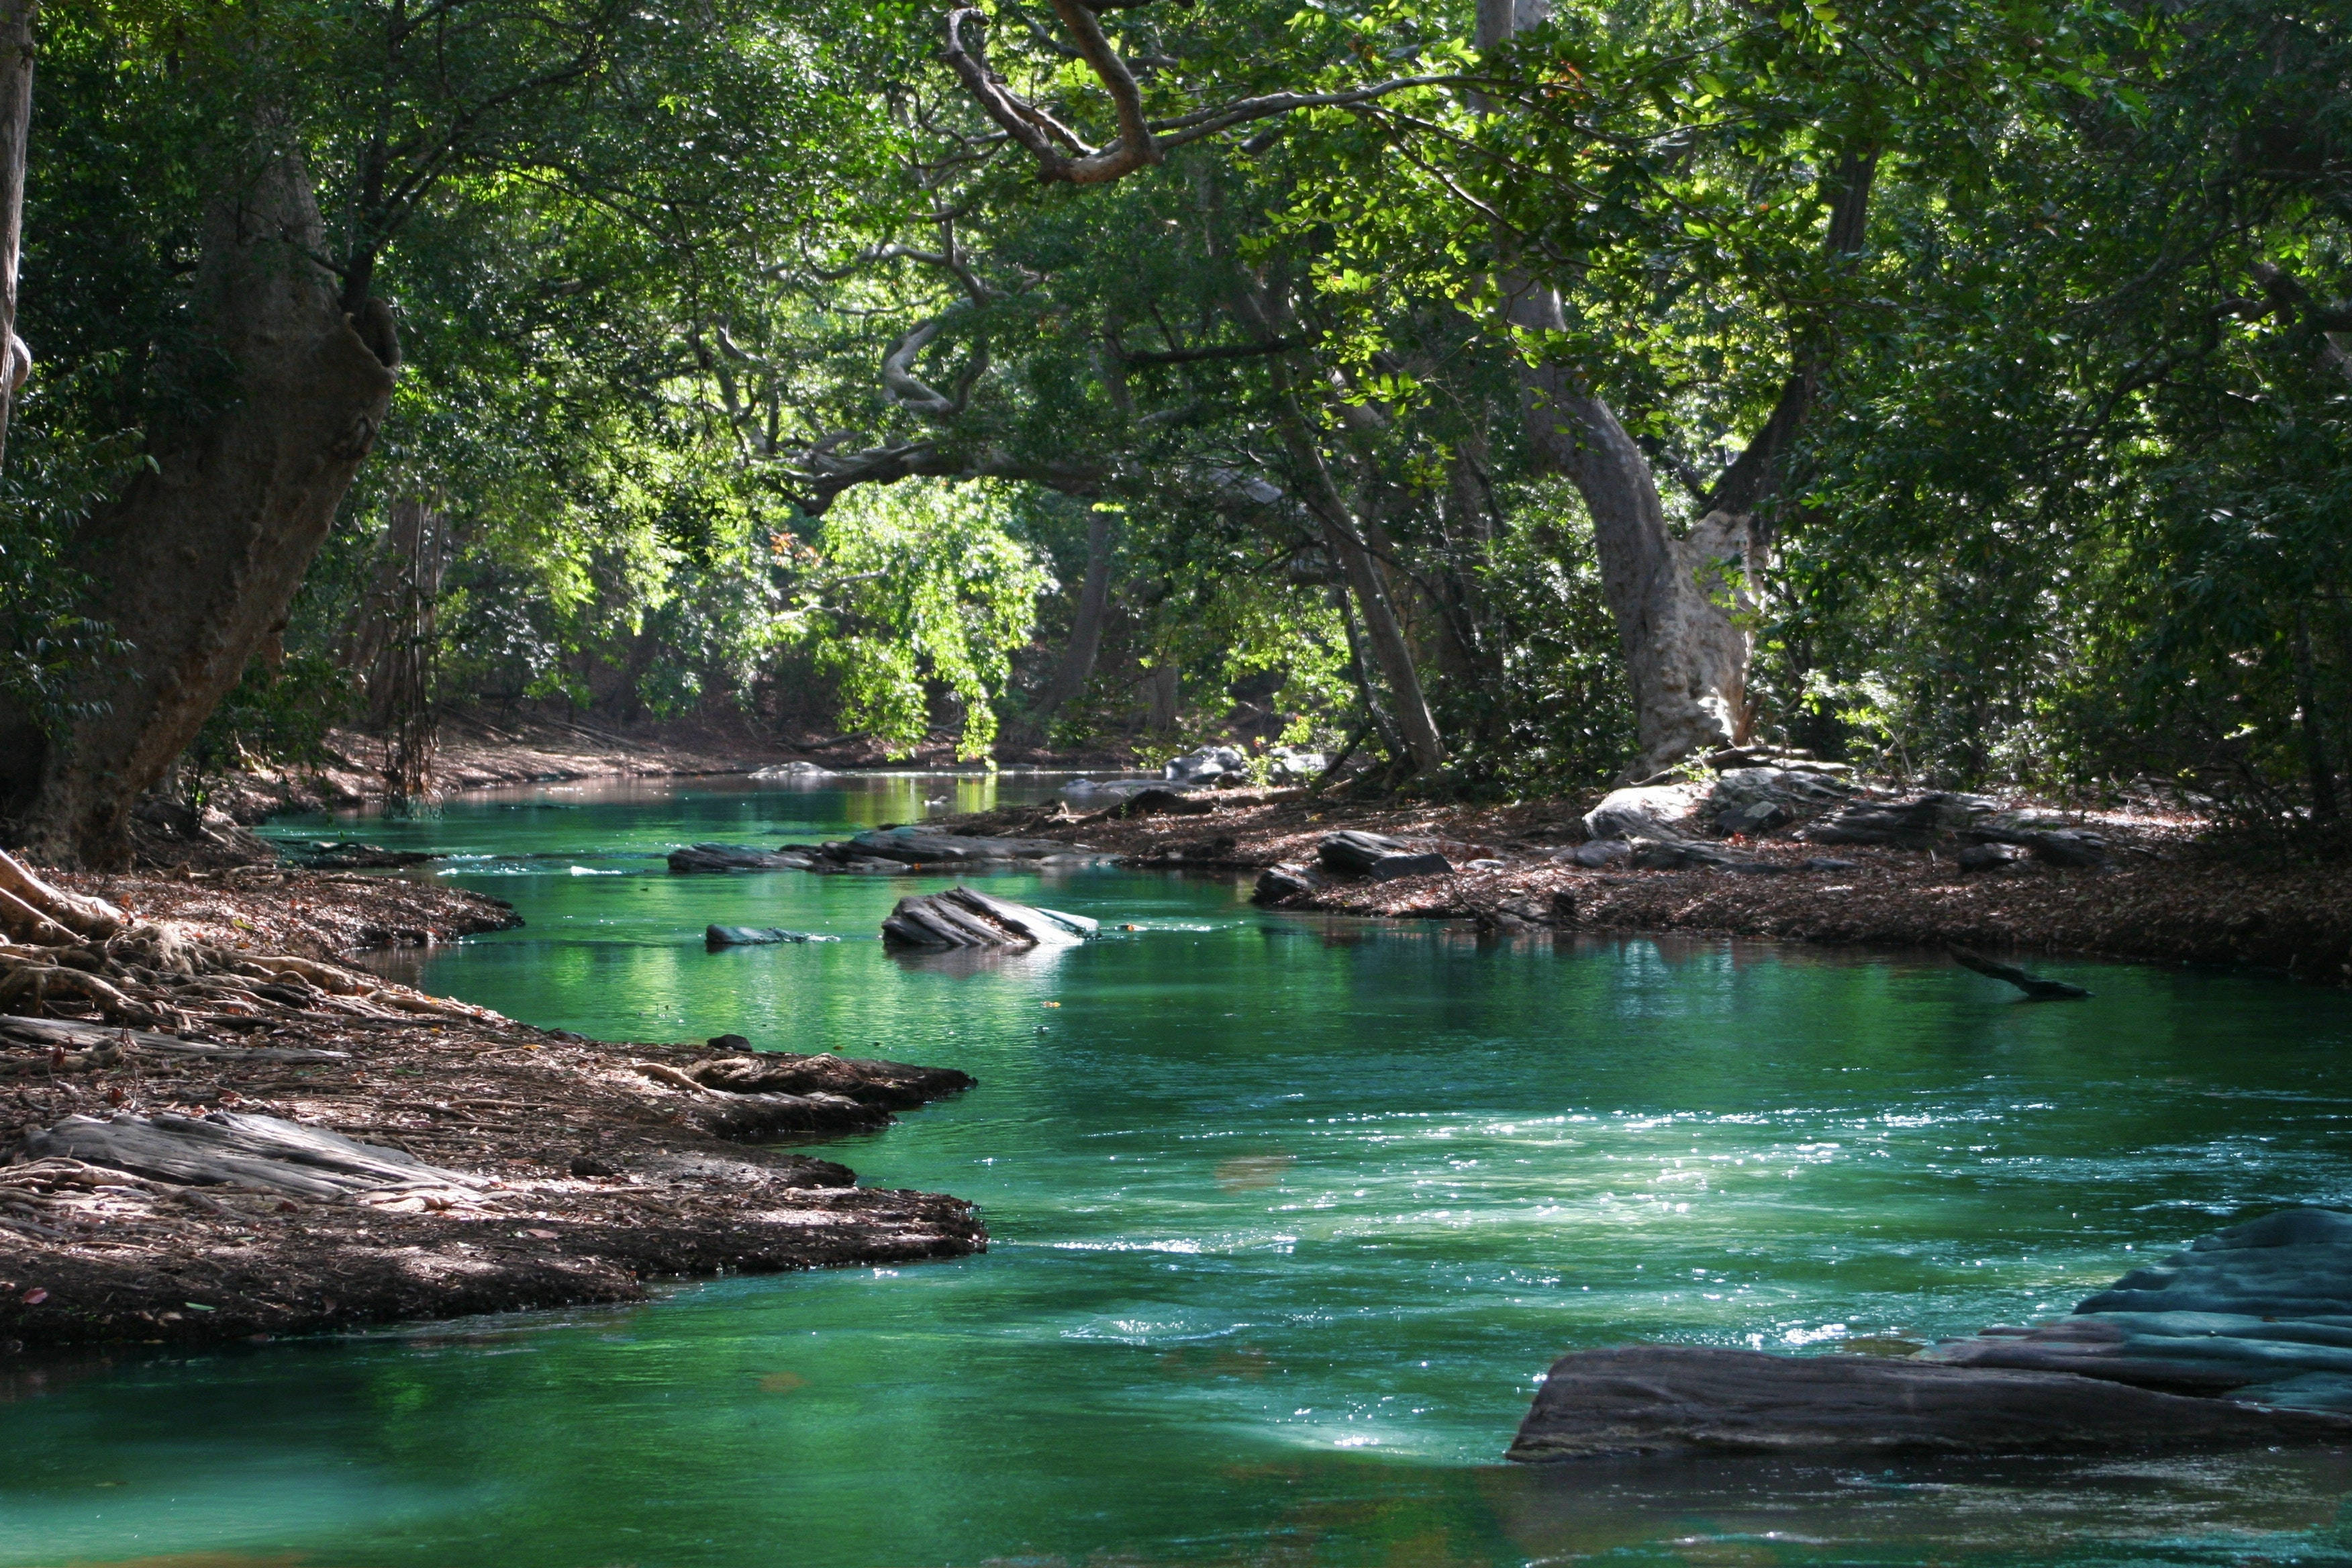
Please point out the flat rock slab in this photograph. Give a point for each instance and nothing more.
(231, 1148)
(2260, 1312)
(1354, 854)
(734, 857)
(915, 847)
(964, 916)
(1691, 1399)
(757, 936)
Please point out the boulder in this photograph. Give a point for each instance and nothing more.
(1353, 854)
(1646, 811)
(1596, 854)
(1684, 1399)
(735, 858)
(1295, 766)
(1277, 883)
(1915, 823)
(1754, 801)
(757, 936)
(920, 846)
(964, 916)
(795, 771)
(1988, 856)
(1208, 765)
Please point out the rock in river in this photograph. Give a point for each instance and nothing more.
(1669, 1399)
(964, 916)
(757, 936)
(2245, 1338)
(734, 857)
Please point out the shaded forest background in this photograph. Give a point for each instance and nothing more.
(1066, 375)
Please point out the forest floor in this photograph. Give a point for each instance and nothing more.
(576, 1171)
(2168, 895)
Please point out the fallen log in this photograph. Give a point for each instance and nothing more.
(2033, 985)
(229, 1148)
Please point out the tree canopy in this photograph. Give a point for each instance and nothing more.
(1536, 394)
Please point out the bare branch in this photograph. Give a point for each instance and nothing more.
(908, 390)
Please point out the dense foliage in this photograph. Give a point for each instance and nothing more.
(750, 363)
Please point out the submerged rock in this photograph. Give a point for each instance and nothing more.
(965, 917)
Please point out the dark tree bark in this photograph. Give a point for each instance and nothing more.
(1159, 698)
(196, 564)
(16, 18)
(1077, 666)
(2318, 767)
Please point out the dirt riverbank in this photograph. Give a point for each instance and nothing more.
(554, 1169)
(2165, 896)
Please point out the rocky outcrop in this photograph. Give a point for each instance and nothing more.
(1379, 856)
(734, 857)
(1693, 1399)
(1647, 811)
(965, 917)
(917, 847)
(2245, 1337)
(1208, 765)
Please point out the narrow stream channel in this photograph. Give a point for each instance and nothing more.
(1289, 1215)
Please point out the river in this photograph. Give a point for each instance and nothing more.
(1288, 1214)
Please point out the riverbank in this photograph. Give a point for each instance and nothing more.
(530, 1168)
(2166, 895)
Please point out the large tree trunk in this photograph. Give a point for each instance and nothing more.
(15, 128)
(196, 564)
(1675, 601)
(1678, 602)
(1077, 666)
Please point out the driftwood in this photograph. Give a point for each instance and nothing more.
(962, 917)
(893, 1086)
(2033, 985)
(228, 1149)
(66, 950)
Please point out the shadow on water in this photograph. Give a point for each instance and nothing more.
(1288, 1214)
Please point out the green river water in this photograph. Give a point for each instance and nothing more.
(1288, 1217)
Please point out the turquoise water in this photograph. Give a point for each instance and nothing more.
(1288, 1217)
